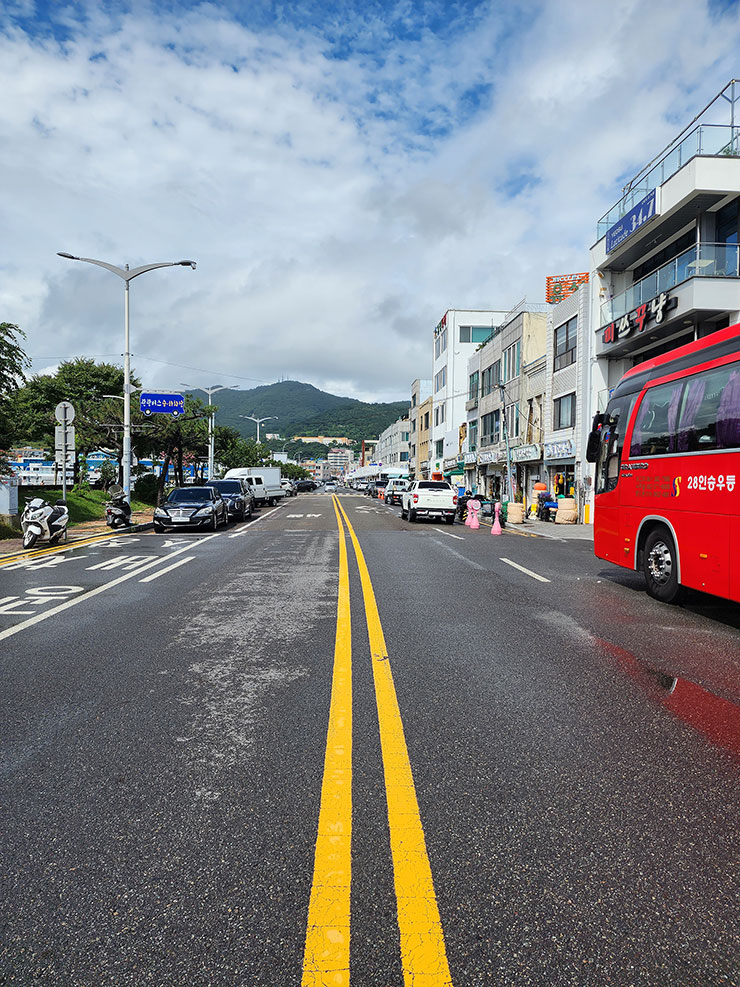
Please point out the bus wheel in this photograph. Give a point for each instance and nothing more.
(660, 565)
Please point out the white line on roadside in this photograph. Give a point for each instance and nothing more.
(449, 534)
(248, 527)
(521, 568)
(24, 624)
(161, 572)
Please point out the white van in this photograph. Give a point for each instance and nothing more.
(264, 481)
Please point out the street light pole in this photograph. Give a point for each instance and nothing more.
(127, 275)
(211, 424)
(259, 421)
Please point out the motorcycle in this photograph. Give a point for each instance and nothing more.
(43, 522)
(118, 509)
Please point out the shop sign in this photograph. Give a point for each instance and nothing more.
(450, 463)
(560, 286)
(563, 449)
(488, 457)
(640, 318)
(470, 458)
(526, 454)
(631, 222)
(442, 324)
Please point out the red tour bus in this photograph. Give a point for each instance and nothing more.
(667, 454)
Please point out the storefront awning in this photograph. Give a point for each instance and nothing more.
(458, 471)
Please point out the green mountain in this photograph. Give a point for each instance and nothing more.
(302, 409)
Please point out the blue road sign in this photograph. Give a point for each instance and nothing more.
(154, 403)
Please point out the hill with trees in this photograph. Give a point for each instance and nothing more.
(302, 409)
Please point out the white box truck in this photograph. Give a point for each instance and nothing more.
(264, 481)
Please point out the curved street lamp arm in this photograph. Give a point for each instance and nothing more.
(136, 271)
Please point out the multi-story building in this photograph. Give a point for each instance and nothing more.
(392, 449)
(505, 391)
(566, 412)
(421, 391)
(327, 440)
(340, 461)
(424, 438)
(456, 337)
(367, 451)
(665, 262)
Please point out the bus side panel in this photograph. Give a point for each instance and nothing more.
(607, 537)
(734, 590)
(685, 491)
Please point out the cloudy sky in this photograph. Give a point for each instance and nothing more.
(342, 172)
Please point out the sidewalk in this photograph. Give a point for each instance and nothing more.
(534, 528)
(140, 521)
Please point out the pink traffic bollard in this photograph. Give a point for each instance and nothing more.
(467, 515)
(473, 508)
(496, 526)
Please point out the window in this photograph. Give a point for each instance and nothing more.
(698, 414)
(612, 440)
(440, 379)
(565, 343)
(511, 362)
(404, 436)
(512, 420)
(473, 386)
(475, 334)
(439, 447)
(491, 428)
(565, 412)
(439, 414)
(473, 436)
(404, 457)
(491, 377)
(440, 343)
(426, 421)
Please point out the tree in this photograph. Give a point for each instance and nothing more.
(13, 364)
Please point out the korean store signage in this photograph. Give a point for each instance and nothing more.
(157, 403)
(640, 318)
(470, 458)
(442, 324)
(631, 222)
(559, 286)
(560, 450)
(488, 457)
(526, 454)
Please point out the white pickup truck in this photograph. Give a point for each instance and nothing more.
(429, 498)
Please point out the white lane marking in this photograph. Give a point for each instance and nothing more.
(161, 572)
(527, 572)
(119, 561)
(248, 527)
(24, 624)
(458, 555)
(449, 534)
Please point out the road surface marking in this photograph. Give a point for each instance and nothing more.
(161, 572)
(449, 534)
(52, 550)
(423, 952)
(528, 572)
(326, 956)
(247, 527)
(459, 555)
(25, 624)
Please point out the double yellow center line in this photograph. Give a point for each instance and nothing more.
(326, 960)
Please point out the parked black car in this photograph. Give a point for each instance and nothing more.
(303, 485)
(199, 507)
(239, 498)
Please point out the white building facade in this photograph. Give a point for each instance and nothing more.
(392, 449)
(456, 337)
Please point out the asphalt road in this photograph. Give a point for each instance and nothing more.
(437, 757)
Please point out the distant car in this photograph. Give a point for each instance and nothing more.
(238, 496)
(198, 507)
(303, 485)
(289, 487)
(394, 490)
(375, 486)
(330, 487)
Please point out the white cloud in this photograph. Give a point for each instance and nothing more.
(336, 206)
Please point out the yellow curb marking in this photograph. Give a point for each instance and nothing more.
(423, 952)
(326, 956)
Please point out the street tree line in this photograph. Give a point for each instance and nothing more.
(96, 390)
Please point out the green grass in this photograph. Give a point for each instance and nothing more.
(83, 506)
(7, 532)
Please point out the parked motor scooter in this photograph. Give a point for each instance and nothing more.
(43, 522)
(118, 509)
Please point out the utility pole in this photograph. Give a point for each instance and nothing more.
(504, 423)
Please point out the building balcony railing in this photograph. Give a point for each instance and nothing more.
(711, 140)
(707, 260)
